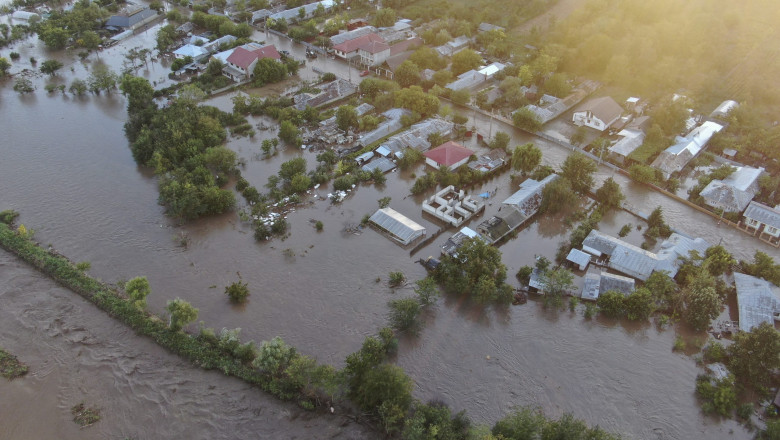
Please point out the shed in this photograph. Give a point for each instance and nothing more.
(579, 258)
(365, 157)
(381, 163)
(401, 228)
(598, 283)
(758, 301)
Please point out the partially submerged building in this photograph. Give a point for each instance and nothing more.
(449, 154)
(734, 193)
(450, 247)
(240, 65)
(515, 210)
(490, 161)
(293, 15)
(390, 125)
(451, 206)
(638, 263)
(131, 19)
(578, 258)
(329, 93)
(674, 158)
(399, 227)
(597, 283)
(758, 301)
(415, 137)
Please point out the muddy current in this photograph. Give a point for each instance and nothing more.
(66, 166)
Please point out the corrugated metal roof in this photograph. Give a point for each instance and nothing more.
(578, 257)
(292, 14)
(351, 35)
(630, 141)
(382, 163)
(401, 227)
(758, 301)
(528, 189)
(764, 214)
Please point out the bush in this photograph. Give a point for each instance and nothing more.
(8, 216)
(396, 279)
(404, 313)
(237, 292)
(319, 225)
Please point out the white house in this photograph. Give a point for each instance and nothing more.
(758, 216)
(450, 154)
(190, 50)
(241, 63)
(373, 53)
(349, 48)
(599, 113)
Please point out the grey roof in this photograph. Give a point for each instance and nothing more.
(578, 257)
(598, 283)
(124, 21)
(497, 227)
(764, 214)
(380, 162)
(530, 190)
(351, 35)
(452, 244)
(639, 263)
(630, 140)
(535, 280)
(399, 226)
(485, 27)
(719, 194)
(604, 108)
(417, 135)
(758, 300)
(467, 80)
(292, 14)
(390, 125)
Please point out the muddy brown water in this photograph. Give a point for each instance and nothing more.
(65, 165)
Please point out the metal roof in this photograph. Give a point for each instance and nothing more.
(292, 14)
(382, 163)
(578, 257)
(351, 35)
(528, 189)
(758, 300)
(598, 283)
(630, 140)
(399, 226)
(764, 214)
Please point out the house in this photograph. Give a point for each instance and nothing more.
(382, 163)
(578, 258)
(734, 193)
(241, 63)
(599, 113)
(758, 216)
(401, 52)
(638, 263)
(722, 111)
(450, 154)
(401, 30)
(190, 50)
(416, 137)
(293, 15)
(450, 247)
(674, 158)
(400, 228)
(515, 210)
(132, 19)
(758, 301)
(474, 78)
(596, 284)
(373, 53)
(489, 161)
(629, 141)
(351, 35)
(453, 207)
(454, 46)
(487, 27)
(349, 49)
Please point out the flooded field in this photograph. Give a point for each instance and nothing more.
(74, 181)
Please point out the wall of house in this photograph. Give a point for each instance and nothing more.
(457, 164)
(432, 162)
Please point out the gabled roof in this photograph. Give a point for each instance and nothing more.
(598, 283)
(400, 226)
(764, 214)
(629, 141)
(758, 301)
(190, 50)
(578, 257)
(448, 153)
(382, 163)
(351, 35)
(604, 108)
(374, 47)
(358, 43)
(243, 58)
(528, 188)
(485, 27)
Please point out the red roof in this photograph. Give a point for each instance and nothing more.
(448, 153)
(244, 58)
(353, 45)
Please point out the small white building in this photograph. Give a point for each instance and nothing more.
(599, 113)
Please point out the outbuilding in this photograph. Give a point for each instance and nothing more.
(400, 228)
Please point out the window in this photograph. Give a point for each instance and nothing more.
(751, 222)
(771, 230)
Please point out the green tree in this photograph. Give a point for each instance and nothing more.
(300, 183)
(78, 87)
(4, 66)
(291, 168)
(526, 157)
(289, 133)
(53, 37)
(50, 67)
(555, 283)
(640, 304)
(609, 194)
(522, 423)
(237, 291)
(426, 291)
(718, 260)
(347, 118)
(702, 302)
(407, 74)
(612, 303)
(755, 355)
(579, 136)
(23, 85)
(269, 71)
(578, 170)
(404, 313)
(435, 421)
(416, 100)
(89, 40)
(557, 85)
(464, 61)
(274, 357)
(384, 17)
(500, 140)
(138, 289)
(663, 288)
(387, 391)
(460, 97)
(557, 196)
(443, 77)
(166, 36)
(139, 93)
(527, 120)
(720, 396)
(477, 270)
(102, 79)
(181, 313)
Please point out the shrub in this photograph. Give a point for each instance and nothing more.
(396, 279)
(237, 292)
(404, 313)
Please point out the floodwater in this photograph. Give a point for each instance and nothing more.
(76, 353)
(65, 165)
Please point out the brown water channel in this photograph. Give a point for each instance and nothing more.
(65, 165)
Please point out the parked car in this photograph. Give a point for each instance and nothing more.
(365, 73)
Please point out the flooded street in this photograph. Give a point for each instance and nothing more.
(66, 167)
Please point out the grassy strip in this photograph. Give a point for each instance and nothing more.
(198, 351)
(10, 367)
